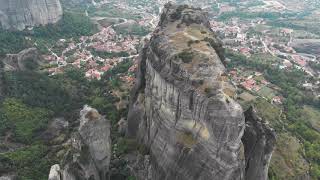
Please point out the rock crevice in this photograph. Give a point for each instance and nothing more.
(178, 108)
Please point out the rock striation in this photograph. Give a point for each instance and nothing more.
(90, 152)
(21, 14)
(181, 108)
(259, 141)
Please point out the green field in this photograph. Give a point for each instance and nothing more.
(266, 92)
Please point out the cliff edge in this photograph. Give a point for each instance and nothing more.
(180, 107)
(88, 157)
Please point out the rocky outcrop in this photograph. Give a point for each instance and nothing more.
(8, 177)
(259, 140)
(20, 14)
(55, 172)
(90, 152)
(181, 109)
(27, 59)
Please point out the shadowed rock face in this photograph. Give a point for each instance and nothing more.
(19, 14)
(259, 141)
(179, 108)
(90, 152)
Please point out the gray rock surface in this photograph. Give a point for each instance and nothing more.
(18, 62)
(8, 177)
(122, 126)
(180, 108)
(55, 172)
(259, 140)
(95, 132)
(90, 152)
(20, 14)
(141, 167)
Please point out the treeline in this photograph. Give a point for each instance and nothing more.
(11, 42)
(70, 26)
(105, 55)
(132, 30)
(288, 24)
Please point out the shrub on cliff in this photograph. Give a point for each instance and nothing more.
(186, 56)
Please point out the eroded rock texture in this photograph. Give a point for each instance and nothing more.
(181, 108)
(1, 79)
(20, 14)
(259, 141)
(90, 152)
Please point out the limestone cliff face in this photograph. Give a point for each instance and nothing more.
(20, 14)
(181, 109)
(90, 152)
(74, 3)
(258, 141)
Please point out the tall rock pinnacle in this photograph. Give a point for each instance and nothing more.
(181, 109)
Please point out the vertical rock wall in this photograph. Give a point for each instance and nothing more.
(90, 150)
(180, 108)
(20, 14)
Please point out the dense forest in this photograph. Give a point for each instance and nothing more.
(70, 26)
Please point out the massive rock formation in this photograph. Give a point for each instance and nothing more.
(8, 177)
(20, 14)
(258, 141)
(90, 152)
(182, 110)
